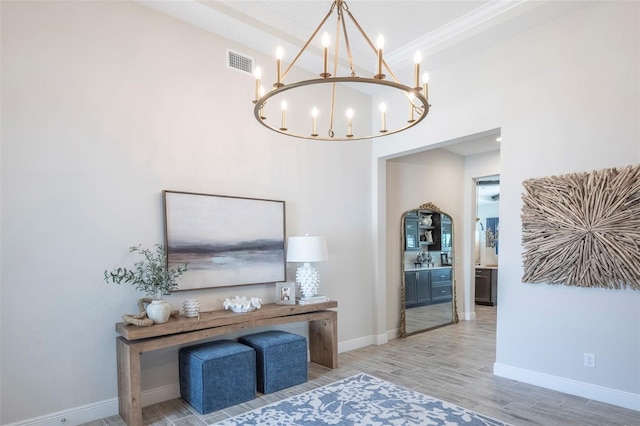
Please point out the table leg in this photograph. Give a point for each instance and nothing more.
(323, 340)
(129, 399)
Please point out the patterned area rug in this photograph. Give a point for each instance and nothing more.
(361, 400)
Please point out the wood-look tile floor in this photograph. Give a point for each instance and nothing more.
(453, 363)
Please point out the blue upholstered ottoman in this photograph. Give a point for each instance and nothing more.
(281, 359)
(217, 374)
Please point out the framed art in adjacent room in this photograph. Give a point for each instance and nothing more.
(225, 241)
(286, 293)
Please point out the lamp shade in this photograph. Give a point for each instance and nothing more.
(307, 249)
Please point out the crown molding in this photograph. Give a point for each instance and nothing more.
(457, 30)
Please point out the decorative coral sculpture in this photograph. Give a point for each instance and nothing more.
(242, 304)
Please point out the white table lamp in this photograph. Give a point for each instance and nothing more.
(305, 250)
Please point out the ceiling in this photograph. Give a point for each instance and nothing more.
(488, 190)
(475, 144)
(442, 30)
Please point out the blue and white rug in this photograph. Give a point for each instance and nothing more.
(361, 400)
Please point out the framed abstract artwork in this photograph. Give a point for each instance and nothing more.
(225, 241)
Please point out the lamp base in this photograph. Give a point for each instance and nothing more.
(308, 280)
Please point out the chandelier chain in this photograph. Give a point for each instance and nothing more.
(306, 44)
(373, 47)
(347, 46)
(332, 107)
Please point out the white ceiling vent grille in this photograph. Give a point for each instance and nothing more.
(239, 62)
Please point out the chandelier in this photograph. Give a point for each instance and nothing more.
(326, 100)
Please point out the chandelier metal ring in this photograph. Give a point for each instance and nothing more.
(417, 95)
(422, 109)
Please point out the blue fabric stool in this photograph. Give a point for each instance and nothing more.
(281, 359)
(217, 375)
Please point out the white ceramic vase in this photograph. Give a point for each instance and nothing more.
(429, 236)
(159, 311)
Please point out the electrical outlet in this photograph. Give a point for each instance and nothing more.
(589, 360)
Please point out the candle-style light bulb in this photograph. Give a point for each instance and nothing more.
(325, 39)
(349, 123)
(417, 58)
(383, 116)
(258, 74)
(425, 80)
(283, 107)
(314, 121)
(325, 55)
(411, 96)
(279, 55)
(380, 46)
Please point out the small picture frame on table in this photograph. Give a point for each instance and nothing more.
(286, 293)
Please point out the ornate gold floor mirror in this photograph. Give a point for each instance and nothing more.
(428, 294)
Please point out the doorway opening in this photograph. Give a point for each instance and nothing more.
(487, 240)
(487, 220)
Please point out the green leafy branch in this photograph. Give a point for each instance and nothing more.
(150, 275)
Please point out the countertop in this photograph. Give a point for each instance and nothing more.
(486, 267)
(425, 268)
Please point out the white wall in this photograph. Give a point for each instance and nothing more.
(566, 98)
(104, 105)
(430, 176)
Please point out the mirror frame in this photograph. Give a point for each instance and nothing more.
(403, 312)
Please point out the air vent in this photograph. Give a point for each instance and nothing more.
(239, 62)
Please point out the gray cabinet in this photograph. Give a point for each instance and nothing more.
(417, 288)
(441, 285)
(410, 289)
(427, 286)
(486, 286)
(411, 233)
(423, 287)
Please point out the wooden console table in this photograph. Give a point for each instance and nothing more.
(133, 341)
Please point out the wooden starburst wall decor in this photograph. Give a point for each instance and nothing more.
(583, 229)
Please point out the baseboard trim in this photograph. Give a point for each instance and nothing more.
(573, 387)
(107, 408)
(361, 342)
(468, 316)
(381, 339)
(160, 394)
(99, 410)
(74, 416)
